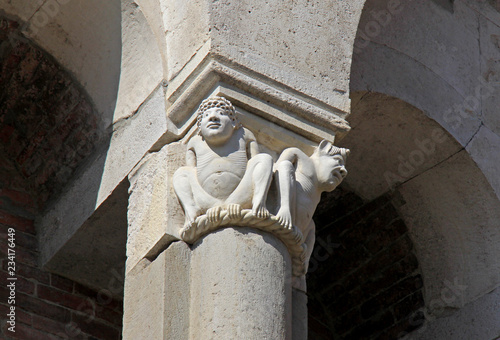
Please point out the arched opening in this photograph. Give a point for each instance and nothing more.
(50, 128)
(422, 138)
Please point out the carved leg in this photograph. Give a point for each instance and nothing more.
(285, 179)
(194, 200)
(310, 239)
(253, 188)
(299, 282)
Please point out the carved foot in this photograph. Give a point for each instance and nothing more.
(285, 218)
(213, 214)
(188, 224)
(260, 211)
(190, 215)
(234, 211)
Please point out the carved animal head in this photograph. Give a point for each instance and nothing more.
(329, 161)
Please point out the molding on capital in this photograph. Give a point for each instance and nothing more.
(259, 95)
(291, 237)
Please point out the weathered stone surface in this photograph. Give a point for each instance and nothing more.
(456, 244)
(154, 216)
(85, 37)
(240, 287)
(104, 236)
(396, 74)
(476, 320)
(484, 150)
(186, 30)
(299, 315)
(141, 62)
(490, 67)
(95, 183)
(392, 142)
(452, 57)
(157, 296)
(278, 47)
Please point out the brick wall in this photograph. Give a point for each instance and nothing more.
(49, 306)
(48, 128)
(364, 280)
(47, 123)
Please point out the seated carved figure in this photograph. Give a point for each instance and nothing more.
(301, 180)
(224, 167)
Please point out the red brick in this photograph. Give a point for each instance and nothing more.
(32, 273)
(25, 332)
(29, 64)
(318, 330)
(70, 98)
(5, 133)
(21, 316)
(17, 222)
(61, 283)
(109, 315)
(32, 147)
(84, 291)
(24, 240)
(348, 321)
(371, 328)
(409, 305)
(19, 198)
(50, 326)
(49, 169)
(26, 256)
(22, 284)
(61, 298)
(346, 302)
(386, 236)
(40, 307)
(95, 328)
(402, 328)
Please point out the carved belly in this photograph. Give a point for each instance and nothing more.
(221, 184)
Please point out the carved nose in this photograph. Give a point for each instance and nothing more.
(213, 117)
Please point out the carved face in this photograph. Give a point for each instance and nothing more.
(330, 171)
(216, 126)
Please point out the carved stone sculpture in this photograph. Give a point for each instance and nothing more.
(224, 167)
(226, 182)
(301, 180)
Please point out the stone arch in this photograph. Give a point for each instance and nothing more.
(446, 201)
(48, 123)
(49, 130)
(439, 59)
(84, 37)
(108, 47)
(418, 101)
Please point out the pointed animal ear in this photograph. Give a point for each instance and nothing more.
(324, 146)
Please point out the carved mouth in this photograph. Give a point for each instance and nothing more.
(337, 175)
(213, 125)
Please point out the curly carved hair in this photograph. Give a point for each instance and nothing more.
(219, 102)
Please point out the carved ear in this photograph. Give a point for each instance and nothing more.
(324, 146)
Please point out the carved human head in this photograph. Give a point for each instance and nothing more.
(330, 164)
(216, 119)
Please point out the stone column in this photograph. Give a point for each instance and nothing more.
(243, 276)
(240, 286)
